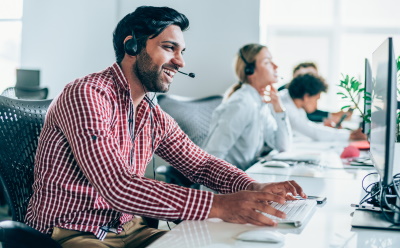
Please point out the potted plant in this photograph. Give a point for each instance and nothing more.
(353, 90)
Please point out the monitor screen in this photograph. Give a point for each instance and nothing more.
(27, 78)
(366, 126)
(383, 110)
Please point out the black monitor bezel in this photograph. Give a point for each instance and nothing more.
(366, 126)
(386, 173)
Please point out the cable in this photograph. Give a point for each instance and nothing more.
(168, 226)
(371, 191)
(386, 198)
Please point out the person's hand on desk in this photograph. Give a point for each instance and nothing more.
(335, 118)
(286, 189)
(358, 135)
(243, 207)
(338, 115)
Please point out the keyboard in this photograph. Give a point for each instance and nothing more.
(296, 211)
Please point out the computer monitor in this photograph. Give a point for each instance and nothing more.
(28, 79)
(366, 126)
(383, 111)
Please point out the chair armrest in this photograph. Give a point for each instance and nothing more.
(17, 234)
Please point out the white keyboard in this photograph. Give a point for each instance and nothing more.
(296, 211)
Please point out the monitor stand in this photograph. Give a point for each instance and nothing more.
(372, 220)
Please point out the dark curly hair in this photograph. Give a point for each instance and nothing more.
(306, 84)
(146, 22)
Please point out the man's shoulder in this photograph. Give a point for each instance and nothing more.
(160, 114)
(100, 82)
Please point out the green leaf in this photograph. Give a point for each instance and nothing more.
(354, 84)
(398, 63)
(347, 106)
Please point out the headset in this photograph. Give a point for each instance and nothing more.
(131, 46)
(249, 68)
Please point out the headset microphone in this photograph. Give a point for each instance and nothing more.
(192, 75)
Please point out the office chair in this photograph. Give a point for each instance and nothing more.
(20, 124)
(193, 117)
(26, 93)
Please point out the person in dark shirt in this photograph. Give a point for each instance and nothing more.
(329, 119)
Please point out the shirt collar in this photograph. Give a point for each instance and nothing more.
(253, 92)
(120, 79)
(119, 76)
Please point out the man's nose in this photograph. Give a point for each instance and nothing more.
(178, 60)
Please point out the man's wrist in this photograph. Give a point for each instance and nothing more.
(253, 186)
(214, 211)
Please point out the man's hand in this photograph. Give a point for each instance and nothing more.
(286, 189)
(245, 206)
(335, 117)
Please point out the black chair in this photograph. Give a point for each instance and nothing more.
(20, 124)
(193, 117)
(26, 93)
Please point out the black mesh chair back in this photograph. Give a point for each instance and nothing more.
(26, 93)
(192, 115)
(20, 124)
(9, 92)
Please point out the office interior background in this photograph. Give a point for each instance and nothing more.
(69, 39)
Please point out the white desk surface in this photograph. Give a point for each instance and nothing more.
(330, 225)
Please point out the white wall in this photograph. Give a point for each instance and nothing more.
(69, 39)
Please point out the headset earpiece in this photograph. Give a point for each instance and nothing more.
(130, 46)
(249, 68)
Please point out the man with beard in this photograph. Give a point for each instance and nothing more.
(101, 132)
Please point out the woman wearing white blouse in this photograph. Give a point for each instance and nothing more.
(246, 124)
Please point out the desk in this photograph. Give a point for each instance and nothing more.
(330, 225)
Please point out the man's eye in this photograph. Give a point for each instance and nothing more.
(169, 48)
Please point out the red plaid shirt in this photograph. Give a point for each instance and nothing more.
(92, 157)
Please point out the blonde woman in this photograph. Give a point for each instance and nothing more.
(246, 125)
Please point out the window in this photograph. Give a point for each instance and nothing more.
(10, 40)
(336, 34)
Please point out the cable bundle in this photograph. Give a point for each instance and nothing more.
(384, 197)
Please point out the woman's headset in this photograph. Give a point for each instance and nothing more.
(249, 68)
